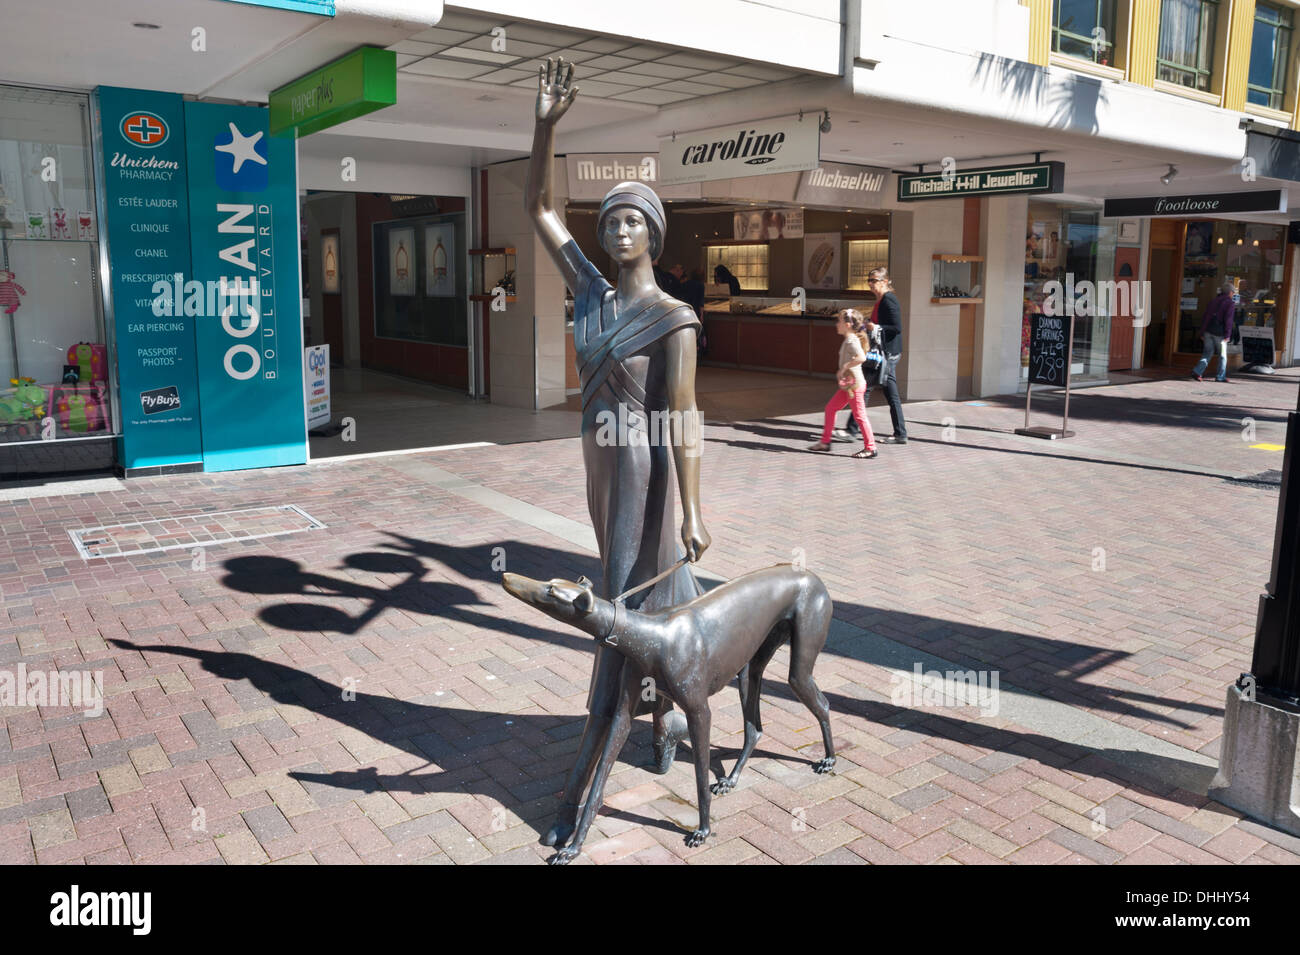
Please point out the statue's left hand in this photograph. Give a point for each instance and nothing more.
(695, 538)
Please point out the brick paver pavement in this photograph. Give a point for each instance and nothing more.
(367, 693)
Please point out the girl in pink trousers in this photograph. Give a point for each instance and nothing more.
(853, 386)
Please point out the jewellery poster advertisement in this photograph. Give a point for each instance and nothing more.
(821, 258)
(329, 253)
(401, 262)
(440, 259)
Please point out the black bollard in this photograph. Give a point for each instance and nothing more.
(1275, 666)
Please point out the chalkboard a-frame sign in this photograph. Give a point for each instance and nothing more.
(1256, 346)
(1051, 347)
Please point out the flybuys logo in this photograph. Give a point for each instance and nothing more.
(240, 162)
(75, 908)
(159, 400)
(74, 689)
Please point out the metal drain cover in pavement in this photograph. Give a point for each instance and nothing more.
(187, 531)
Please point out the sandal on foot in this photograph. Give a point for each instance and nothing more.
(819, 446)
(865, 454)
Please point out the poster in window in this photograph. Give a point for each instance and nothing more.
(329, 254)
(747, 225)
(821, 259)
(401, 262)
(440, 260)
(1034, 240)
(1200, 235)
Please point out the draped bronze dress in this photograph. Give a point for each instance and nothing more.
(622, 360)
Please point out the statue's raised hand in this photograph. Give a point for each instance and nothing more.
(555, 90)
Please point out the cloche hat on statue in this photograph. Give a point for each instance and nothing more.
(642, 198)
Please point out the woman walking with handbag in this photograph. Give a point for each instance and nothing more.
(888, 315)
(853, 386)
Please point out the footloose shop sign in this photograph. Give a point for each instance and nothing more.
(986, 181)
(1269, 200)
(243, 228)
(742, 149)
(147, 218)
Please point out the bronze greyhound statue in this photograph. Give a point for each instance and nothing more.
(690, 652)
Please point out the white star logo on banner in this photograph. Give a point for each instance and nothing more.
(241, 147)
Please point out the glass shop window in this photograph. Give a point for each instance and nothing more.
(863, 256)
(421, 285)
(747, 262)
(54, 360)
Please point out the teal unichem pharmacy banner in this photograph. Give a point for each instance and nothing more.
(243, 201)
(323, 7)
(147, 219)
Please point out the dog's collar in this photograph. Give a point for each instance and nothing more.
(610, 638)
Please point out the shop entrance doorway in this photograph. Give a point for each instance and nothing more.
(1162, 273)
(1121, 323)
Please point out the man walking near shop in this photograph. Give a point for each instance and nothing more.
(1216, 329)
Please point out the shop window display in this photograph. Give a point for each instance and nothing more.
(54, 369)
(1070, 245)
(421, 286)
(747, 262)
(1248, 255)
(863, 256)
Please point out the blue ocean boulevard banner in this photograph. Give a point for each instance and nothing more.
(244, 233)
(324, 8)
(147, 220)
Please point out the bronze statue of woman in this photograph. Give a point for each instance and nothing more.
(635, 351)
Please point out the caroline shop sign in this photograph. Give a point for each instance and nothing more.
(745, 149)
(1271, 200)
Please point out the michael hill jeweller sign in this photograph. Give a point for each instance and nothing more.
(985, 181)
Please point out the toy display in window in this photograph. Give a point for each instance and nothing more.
(9, 292)
(59, 227)
(22, 409)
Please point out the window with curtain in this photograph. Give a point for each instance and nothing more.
(1085, 28)
(1185, 52)
(1270, 44)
